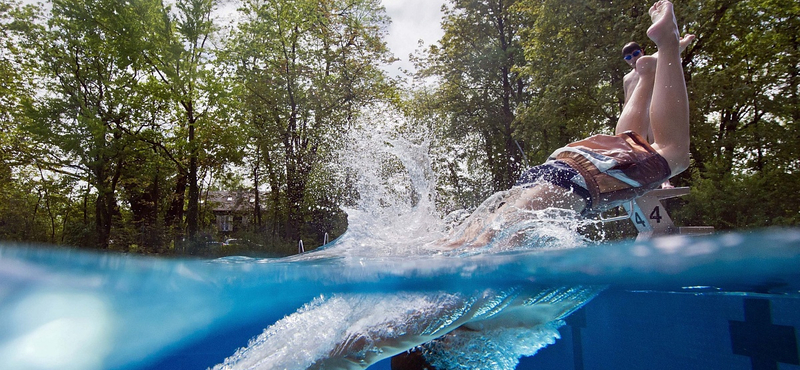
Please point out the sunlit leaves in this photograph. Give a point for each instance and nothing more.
(307, 68)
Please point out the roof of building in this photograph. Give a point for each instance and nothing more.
(231, 201)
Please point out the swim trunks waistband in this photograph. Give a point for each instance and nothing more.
(557, 173)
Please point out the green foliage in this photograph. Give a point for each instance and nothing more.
(92, 108)
(479, 85)
(307, 68)
(741, 73)
(116, 117)
(575, 68)
(18, 32)
(21, 205)
(745, 201)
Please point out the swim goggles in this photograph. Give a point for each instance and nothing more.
(632, 55)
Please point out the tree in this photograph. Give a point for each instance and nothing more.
(307, 68)
(181, 59)
(18, 72)
(744, 82)
(90, 108)
(477, 65)
(20, 206)
(175, 96)
(575, 68)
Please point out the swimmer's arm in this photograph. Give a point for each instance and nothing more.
(362, 349)
(628, 83)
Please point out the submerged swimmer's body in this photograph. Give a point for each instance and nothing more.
(363, 329)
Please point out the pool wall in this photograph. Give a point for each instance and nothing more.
(658, 330)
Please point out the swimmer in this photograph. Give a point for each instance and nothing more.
(364, 330)
(604, 171)
(631, 52)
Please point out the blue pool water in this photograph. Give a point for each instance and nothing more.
(66, 309)
(725, 301)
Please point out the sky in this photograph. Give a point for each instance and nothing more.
(412, 20)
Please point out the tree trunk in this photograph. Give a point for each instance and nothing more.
(192, 214)
(104, 212)
(295, 192)
(257, 203)
(174, 216)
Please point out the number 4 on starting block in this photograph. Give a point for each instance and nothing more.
(651, 218)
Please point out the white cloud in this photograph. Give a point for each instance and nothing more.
(412, 20)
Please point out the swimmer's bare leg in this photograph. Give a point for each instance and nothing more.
(546, 195)
(636, 114)
(669, 109)
(637, 119)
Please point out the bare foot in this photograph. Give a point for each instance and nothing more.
(664, 30)
(685, 41)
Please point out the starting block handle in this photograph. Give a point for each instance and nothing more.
(667, 193)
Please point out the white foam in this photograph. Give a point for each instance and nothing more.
(395, 215)
(58, 330)
(494, 349)
(356, 324)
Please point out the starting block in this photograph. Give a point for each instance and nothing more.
(651, 218)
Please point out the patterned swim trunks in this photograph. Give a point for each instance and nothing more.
(606, 170)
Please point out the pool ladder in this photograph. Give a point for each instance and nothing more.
(301, 249)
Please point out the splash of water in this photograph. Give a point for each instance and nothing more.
(395, 215)
(394, 212)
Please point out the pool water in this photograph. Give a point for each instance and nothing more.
(622, 329)
(722, 301)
